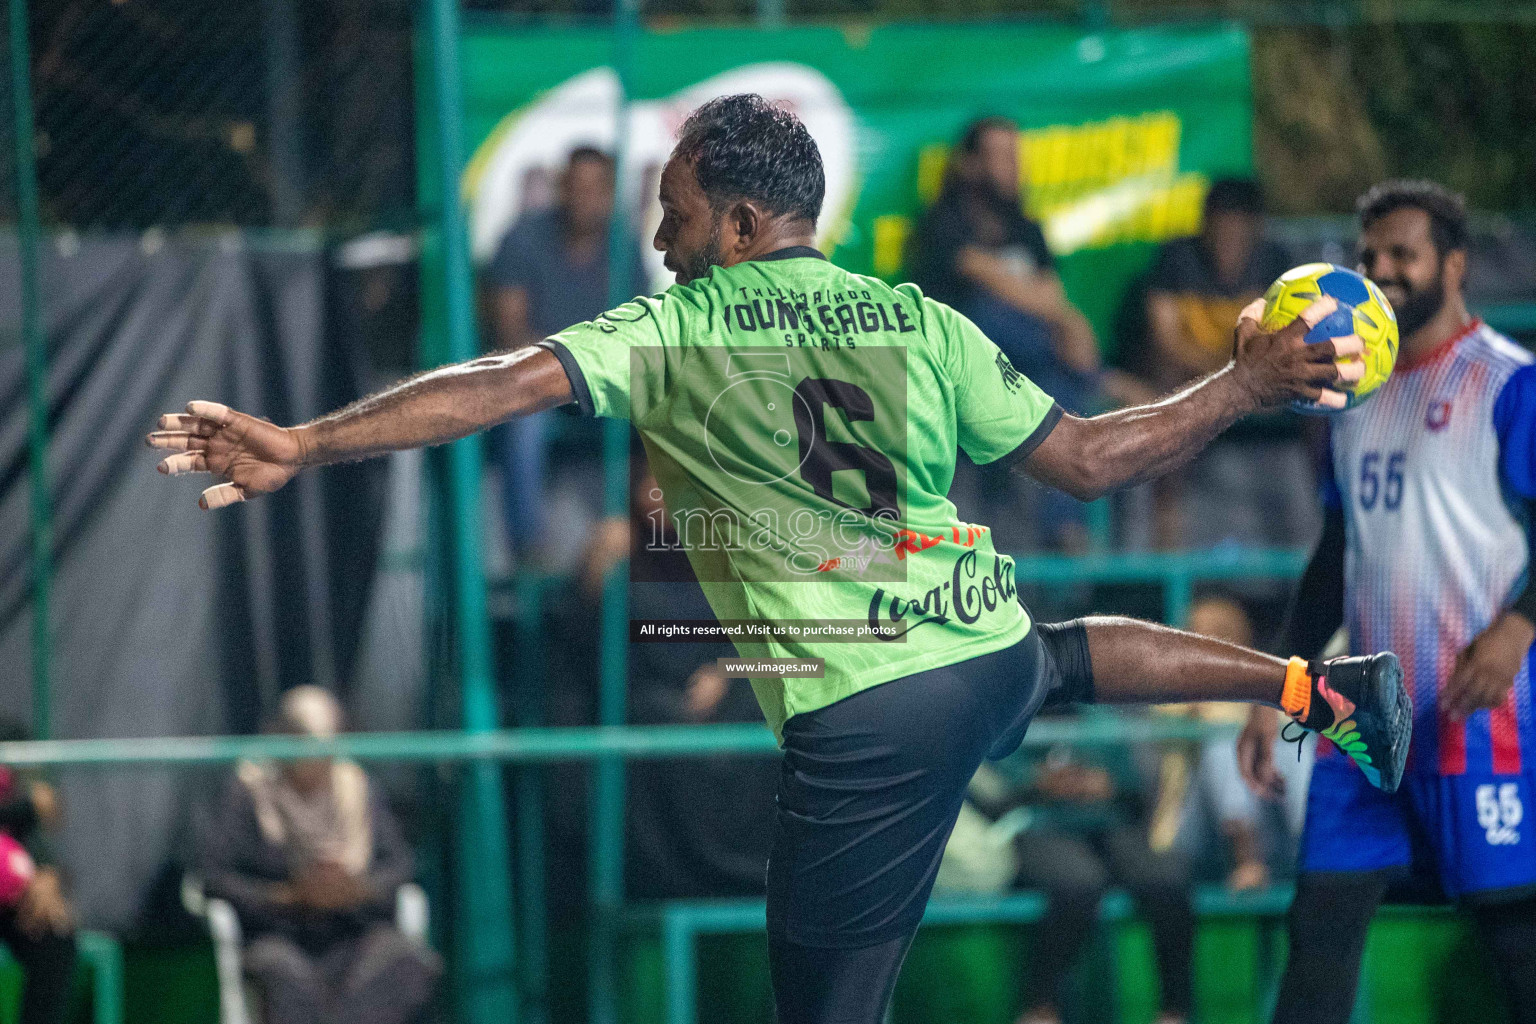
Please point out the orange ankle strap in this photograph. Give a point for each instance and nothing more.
(1296, 696)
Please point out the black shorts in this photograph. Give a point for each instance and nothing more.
(871, 786)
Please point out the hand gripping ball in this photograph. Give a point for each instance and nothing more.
(1362, 311)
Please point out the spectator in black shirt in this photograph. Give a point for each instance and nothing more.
(311, 858)
(975, 250)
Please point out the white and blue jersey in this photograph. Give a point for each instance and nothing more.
(1435, 477)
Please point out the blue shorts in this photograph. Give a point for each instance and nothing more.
(1468, 833)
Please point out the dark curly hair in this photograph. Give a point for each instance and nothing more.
(1447, 210)
(1234, 195)
(743, 147)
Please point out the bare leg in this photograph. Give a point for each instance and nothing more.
(1358, 703)
(1137, 662)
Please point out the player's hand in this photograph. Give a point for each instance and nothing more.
(1281, 367)
(1486, 670)
(1256, 753)
(328, 887)
(250, 456)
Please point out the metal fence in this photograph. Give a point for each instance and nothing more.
(167, 112)
(280, 114)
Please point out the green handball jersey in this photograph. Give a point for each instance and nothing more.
(802, 423)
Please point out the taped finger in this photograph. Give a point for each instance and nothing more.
(173, 440)
(1318, 311)
(191, 424)
(1332, 399)
(176, 441)
(215, 411)
(1349, 346)
(220, 495)
(1253, 311)
(186, 462)
(1351, 372)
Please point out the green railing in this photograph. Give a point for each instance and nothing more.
(1175, 572)
(516, 746)
(484, 967)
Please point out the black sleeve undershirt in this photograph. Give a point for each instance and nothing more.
(1317, 607)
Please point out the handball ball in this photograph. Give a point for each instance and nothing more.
(1362, 311)
(16, 870)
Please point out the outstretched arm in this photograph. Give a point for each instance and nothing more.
(1090, 457)
(251, 456)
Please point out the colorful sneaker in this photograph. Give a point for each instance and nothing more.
(1361, 705)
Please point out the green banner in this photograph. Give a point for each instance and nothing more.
(1123, 130)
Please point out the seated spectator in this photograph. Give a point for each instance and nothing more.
(311, 858)
(975, 250)
(549, 272)
(36, 922)
(1251, 483)
(699, 826)
(1080, 827)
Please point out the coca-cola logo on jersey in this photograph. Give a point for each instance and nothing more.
(969, 593)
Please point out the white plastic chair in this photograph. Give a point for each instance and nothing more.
(239, 1001)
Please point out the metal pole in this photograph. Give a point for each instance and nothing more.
(285, 112)
(29, 238)
(607, 838)
(484, 970)
(532, 878)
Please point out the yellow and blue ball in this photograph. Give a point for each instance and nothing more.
(1363, 311)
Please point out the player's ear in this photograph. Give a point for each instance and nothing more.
(747, 221)
(1455, 269)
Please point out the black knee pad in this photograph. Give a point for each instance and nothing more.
(1067, 643)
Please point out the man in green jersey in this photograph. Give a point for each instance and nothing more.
(803, 424)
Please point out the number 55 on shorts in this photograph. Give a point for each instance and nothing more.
(1499, 812)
